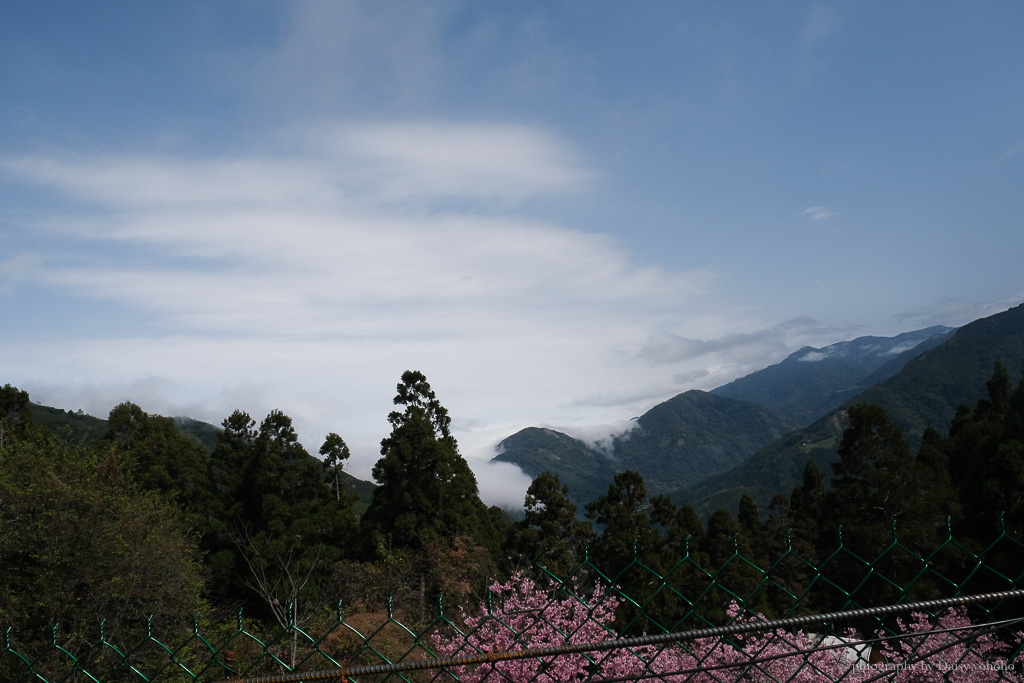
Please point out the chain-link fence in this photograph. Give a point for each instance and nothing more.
(948, 612)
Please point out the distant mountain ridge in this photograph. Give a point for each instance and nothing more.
(584, 470)
(695, 434)
(78, 427)
(812, 382)
(679, 442)
(927, 391)
(697, 443)
(709, 448)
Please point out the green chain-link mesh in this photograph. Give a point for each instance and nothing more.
(686, 596)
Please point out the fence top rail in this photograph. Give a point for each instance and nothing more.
(755, 626)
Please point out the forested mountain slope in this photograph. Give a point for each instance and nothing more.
(696, 434)
(676, 443)
(927, 391)
(811, 382)
(536, 450)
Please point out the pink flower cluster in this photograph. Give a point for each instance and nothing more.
(524, 615)
(949, 656)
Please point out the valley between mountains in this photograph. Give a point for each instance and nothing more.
(754, 436)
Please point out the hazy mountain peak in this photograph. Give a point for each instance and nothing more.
(812, 381)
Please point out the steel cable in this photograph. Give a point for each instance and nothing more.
(656, 639)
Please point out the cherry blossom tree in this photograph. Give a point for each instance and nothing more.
(524, 615)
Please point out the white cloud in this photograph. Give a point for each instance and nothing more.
(818, 213)
(309, 283)
(955, 312)
(502, 484)
(1014, 149)
(386, 161)
(900, 348)
(155, 181)
(600, 438)
(430, 159)
(15, 270)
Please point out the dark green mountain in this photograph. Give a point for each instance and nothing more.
(359, 491)
(925, 392)
(74, 426)
(676, 443)
(776, 468)
(80, 427)
(928, 390)
(586, 472)
(203, 433)
(812, 383)
(694, 435)
(77, 427)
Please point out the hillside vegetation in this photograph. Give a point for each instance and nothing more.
(138, 515)
(811, 383)
(926, 393)
(751, 436)
(681, 441)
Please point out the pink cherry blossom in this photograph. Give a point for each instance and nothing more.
(522, 615)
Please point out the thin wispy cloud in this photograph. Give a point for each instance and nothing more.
(955, 311)
(602, 438)
(671, 348)
(820, 21)
(818, 213)
(425, 161)
(288, 208)
(150, 181)
(303, 260)
(14, 271)
(429, 160)
(1013, 150)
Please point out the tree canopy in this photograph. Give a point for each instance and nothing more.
(426, 491)
(149, 519)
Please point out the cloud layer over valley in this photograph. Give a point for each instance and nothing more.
(205, 209)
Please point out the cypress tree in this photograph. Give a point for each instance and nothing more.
(426, 492)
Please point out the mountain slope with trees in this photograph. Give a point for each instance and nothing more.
(144, 520)
(810, 383)
(536, 450)
(694, 435)
(678, 442)
(925, 393)
(698, 435)
(138, 515)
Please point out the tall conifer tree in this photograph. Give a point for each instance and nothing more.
(426, 492)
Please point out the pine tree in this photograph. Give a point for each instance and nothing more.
(875, 483)
(335, 452)
(15, 417)
(426, 491)
(629, 551)
(550, 532)
(986, 457)
(881, 494)
(627, 531)
(281, 526)
(161, 458)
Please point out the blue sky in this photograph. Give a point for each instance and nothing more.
(562, 213)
